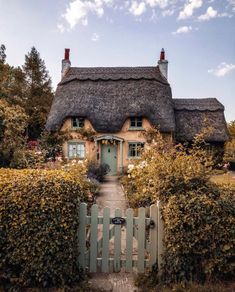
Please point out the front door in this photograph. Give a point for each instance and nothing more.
(109, 156)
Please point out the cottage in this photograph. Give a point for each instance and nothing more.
(114, 105)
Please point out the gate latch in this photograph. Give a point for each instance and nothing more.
(151, 224)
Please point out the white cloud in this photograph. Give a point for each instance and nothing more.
(232, 3)
(210, 13)
(183, 29)
(95, 37)
(137, 9)
(78, 10)
(60, 27)
(189, 8)
(222, 69)
(168, 12)
(159, 3)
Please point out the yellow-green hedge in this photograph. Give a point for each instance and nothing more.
(199, 237)
(39, 221)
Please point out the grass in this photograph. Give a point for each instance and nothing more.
(149, 282)
(226, 179)
(210, 287)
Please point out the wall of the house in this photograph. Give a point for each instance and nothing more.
(126, 134)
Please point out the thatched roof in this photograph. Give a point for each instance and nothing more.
(191, 115)
(109, 96)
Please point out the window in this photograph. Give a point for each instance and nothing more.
(135, 149)
(77, 123)
(76, 150)
(136, 122)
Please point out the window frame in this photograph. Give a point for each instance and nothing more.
(137, 151)
(77, 143)
(78, 120)
(136, 123)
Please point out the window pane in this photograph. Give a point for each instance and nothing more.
(76, 150)
(70, 151)
(135, 149)
(81, 150)
(74, 123)
(133, 124)
(77, 122)
(136, 122)
(81, 122)
(139, 122)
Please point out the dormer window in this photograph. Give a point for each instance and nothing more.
(77, 123)
(136, 123)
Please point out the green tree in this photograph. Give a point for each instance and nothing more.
(38, 95)
(2, 53)
(13, 123)
(12, 81)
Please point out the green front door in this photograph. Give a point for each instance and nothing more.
(109, 156)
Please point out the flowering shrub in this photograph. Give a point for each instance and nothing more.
(97, 171)
(39, 221)
(165, 169)
(198, 214)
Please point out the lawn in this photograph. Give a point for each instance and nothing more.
(227, 179)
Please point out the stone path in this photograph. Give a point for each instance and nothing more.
(112, 196)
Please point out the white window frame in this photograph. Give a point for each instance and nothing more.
(134, 121)
(137, 150)
(80, 122)
(77, 152)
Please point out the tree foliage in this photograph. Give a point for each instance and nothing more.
(25, 100)
(13, 124)
(165, 169)
(198, 215)
(38, 95)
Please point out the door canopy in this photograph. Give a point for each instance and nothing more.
(108, 139)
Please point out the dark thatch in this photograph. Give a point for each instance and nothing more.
(109, 96)
(191, 115)
(114, 73)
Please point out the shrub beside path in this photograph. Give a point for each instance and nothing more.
(111, 195)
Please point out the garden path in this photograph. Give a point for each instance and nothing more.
(111, 195)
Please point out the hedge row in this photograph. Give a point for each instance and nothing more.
(199, 237)
(39, 221)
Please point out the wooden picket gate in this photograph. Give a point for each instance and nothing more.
(98, 254)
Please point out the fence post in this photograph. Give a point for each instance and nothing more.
(160, 250)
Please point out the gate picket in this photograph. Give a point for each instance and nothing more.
(94, 238)
(117, 243)
(82, 235)
(105, 248)
(97, 256)
(141, 239)
(153, 235)
(129, 239)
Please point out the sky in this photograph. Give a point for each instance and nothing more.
(198, 37)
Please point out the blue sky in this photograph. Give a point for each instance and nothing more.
(198, 37)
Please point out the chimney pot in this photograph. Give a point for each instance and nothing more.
(163, 64)
(162, 54)
(65, 63)
(66, 54)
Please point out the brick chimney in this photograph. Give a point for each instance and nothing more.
(65, 63)
(163, 64)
